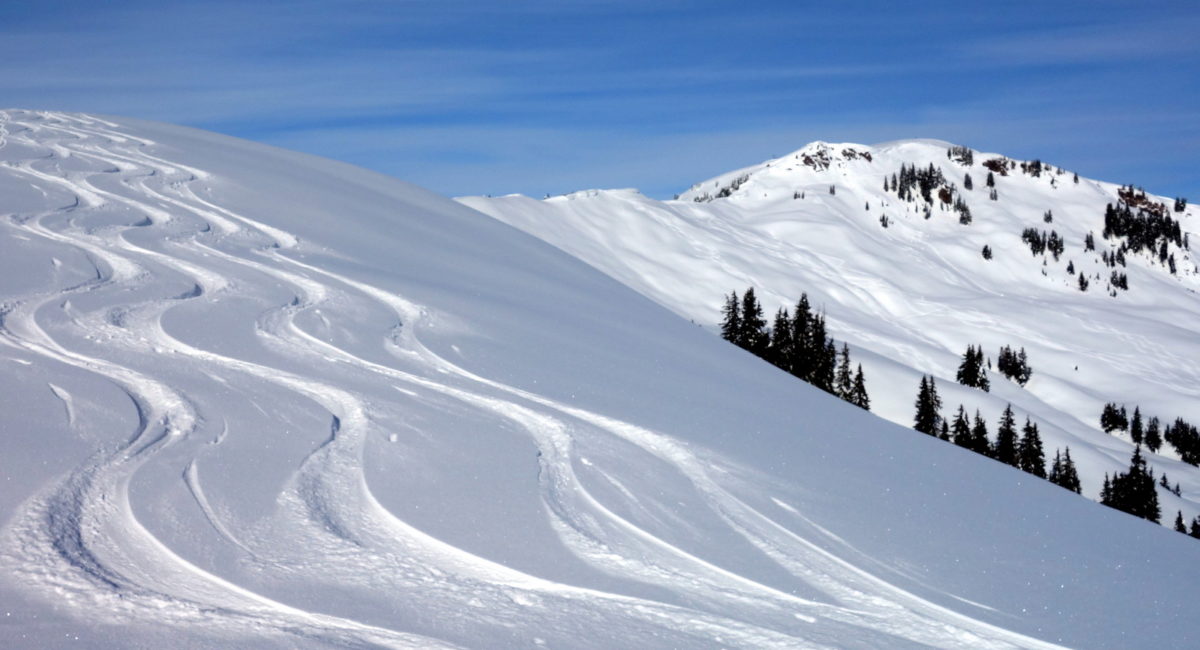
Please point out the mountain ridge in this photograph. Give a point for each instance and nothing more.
(889, 270)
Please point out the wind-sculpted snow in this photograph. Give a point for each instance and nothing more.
(256, 399)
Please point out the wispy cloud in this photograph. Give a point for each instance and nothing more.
(544, 96)
(1126, 42)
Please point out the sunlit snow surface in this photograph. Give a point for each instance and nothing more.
(257, 399)
(910, 298)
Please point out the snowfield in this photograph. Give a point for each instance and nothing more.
(910, 297)
(254, 398)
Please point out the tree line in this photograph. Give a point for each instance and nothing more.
(1022, 450)
(797, 343)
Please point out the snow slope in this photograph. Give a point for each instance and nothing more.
(258, 399)
(910, 298)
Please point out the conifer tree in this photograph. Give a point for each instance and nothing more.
(979, 435)
(1063, 473)
(945, 434)
(858, 396)
(844, 382)
(731, 327)
(960, 432)
(1029, 451)
(1179, 527)
(1055, 475)
(1005, 449)
(1135, 426)
(820, 364)
(928, 418)
(802, 357)
(779, 352)
(827, 375)
(1070, 474)
(1113, 418)
(1134, 491)
(1194, 530)
(1153, 436)
(967, 370)
(753, 335)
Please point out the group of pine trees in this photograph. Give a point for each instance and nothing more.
(1133, 491)
(1024, 452)
(1144, 224)
(1183, 436)
(1039, 242)
(961, 155)
(1194, 531)
(972, 371)
(910, 177)
(1014, 365)
(797, 343)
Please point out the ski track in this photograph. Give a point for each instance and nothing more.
(79, 540)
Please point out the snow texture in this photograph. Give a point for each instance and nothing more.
(258, 399)
(910, 298)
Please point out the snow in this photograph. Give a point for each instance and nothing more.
(911, 297)
(260, 399)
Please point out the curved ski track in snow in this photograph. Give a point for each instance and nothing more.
(80, 541)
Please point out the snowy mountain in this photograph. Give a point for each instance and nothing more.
(254, 398)
(903, 280)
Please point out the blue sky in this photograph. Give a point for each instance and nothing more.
(548, 97)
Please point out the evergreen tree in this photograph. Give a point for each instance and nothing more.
(1153, 436)
(821, 363)
(1134, 491)
(802, 356)
(858, 395)
(1005, 449)
(1194, 531)
(972, 372)
(1179, 527)
(1030, 456)
(1024, 371)
(779, 352)
(960, 432)
(928, 418)
(1055, 475)
(828, 368)
(979, 435)
(1113, 419)
(968, 183)
(987, 252)
(991, 180)
(753, 336)
(967, 369)
(1070, 474)
(844, 382)
(945, 434)
(1135, 426)
(731, 327)
(1014, 365)
(1063, 473)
